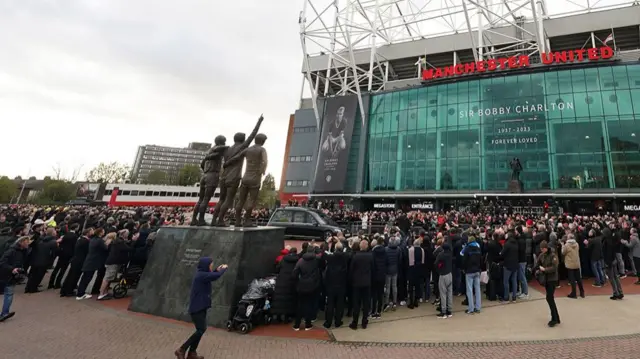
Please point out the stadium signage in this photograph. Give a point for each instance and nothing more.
(384, 205)
(517, 62)
(632, 207)
(425, 205)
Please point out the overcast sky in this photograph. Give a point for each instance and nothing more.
(84, 82)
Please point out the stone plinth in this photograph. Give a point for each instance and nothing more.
(164, 288)
(516, 187)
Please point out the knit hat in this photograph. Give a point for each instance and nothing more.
(543, 244)
(529, 223)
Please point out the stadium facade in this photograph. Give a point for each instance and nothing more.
(424, 120)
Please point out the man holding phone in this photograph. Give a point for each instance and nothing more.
(11, 267)
(199, 304)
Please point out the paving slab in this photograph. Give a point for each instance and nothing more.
(595, 316)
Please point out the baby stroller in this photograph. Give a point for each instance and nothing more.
(254, 307)
(128, 280)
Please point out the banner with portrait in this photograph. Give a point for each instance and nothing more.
(335, 142)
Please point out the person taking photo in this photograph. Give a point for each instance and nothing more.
(199, 304)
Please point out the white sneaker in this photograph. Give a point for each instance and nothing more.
(86, 296)
(403, 303)
(523, 296)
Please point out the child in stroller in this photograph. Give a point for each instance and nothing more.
(254, 307)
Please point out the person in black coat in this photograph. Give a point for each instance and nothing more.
(307, 273)
(360, 274)
(65, 253)
(415, 270)
(522, 262)
(11, 265)
(511, 264)
(336, 285)
(379, 276)
(609, 248)
(393, 262)
(41, 259)
(80, 252)
(94, 262)
(284, 297)
(119, 254)
(594, 244)
(429, 259)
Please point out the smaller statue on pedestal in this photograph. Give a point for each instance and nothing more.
(256, 167)
(516, 168)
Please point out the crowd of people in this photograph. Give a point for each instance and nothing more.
(420, 256)
(397, 259)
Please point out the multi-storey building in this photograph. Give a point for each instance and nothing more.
(166, 159)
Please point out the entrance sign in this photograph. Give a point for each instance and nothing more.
(422, 206)
(517, 62)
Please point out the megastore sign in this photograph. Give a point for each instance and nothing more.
(632, 208)
(518, 62)
(384, 205)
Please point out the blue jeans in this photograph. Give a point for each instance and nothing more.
(510, 277)
(598, 272)
(522, 278)
(8, 299)
(473, 291)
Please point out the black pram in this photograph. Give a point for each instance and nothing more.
(254, 307)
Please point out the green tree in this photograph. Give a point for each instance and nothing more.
(156, 177)
(8, 189)
(113, 172)
(56, 192)
(267, 195)
(189, 175)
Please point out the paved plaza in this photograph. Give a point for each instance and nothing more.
(47, 326)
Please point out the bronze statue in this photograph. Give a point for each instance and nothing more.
(231, 175)
(256, 158)
(211, 165)
(516, 168)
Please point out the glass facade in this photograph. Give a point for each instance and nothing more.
(571, 129)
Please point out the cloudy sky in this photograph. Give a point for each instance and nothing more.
(84, 82)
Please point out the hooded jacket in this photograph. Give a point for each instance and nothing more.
(12, 258)
(379, 263)
(444, 260)
(392, 258)
(307, 272)
(472, 258)
(510, 254)
(571, 253)
(200, 298)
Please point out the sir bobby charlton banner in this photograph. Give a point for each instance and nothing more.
(337, 129)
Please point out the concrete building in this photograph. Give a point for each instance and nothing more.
(436, 114)
(166, 159)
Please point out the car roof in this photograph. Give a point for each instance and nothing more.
(292, 208)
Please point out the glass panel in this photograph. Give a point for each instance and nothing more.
(465, 127)
(422, 97)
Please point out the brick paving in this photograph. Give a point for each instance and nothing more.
(47, 326)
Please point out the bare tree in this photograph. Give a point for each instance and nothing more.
(76, 173)
(57, 171)
(113, 172)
